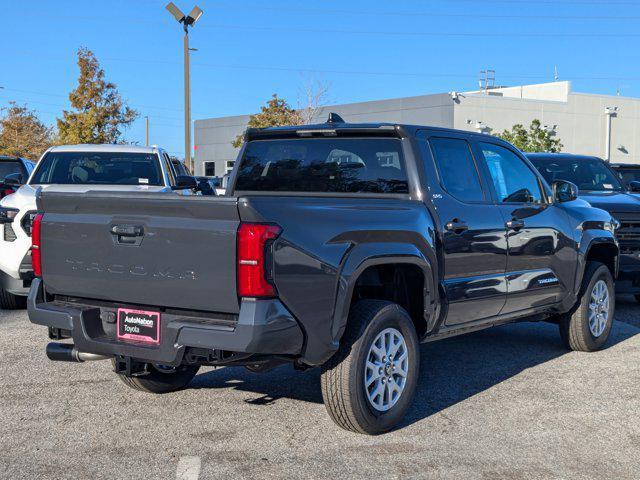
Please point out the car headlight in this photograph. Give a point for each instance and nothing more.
(7, 215)
(612, 225)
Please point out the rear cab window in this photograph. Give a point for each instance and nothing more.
(98, 168)
(323, 165)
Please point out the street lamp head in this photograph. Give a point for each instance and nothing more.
(176, 12)
(194, 16)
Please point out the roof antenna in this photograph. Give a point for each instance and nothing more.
(335, 118)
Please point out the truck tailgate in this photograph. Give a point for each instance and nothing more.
(152, 249)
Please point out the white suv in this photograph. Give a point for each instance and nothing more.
(74, 168)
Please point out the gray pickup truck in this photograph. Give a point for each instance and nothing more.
(337, 245)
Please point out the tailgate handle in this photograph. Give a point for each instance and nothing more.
(127, 230)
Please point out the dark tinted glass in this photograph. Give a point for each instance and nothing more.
(457, 168)
(108, 168)
(210, 169)
(513, 180)
(587, 173)
(350, 165)
(628, 175)
(9, 167)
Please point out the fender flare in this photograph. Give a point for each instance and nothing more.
(590, 239)
(367, 255)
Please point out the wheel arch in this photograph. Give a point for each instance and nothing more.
(364, 259)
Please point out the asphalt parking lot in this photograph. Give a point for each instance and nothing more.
(507, 403)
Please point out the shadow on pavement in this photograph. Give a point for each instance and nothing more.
(452, 370)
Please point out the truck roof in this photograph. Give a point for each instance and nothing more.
(109, 147)
(379, 128)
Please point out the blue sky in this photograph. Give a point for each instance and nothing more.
(364, 50)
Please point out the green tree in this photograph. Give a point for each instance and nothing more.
(22, 134)
(99, 113)
(536, 139)
(275, 113)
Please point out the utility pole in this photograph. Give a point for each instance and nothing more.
(187, 21)
(609, 112)
(146, 137)
(187, 101)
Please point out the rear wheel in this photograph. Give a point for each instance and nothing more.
(162, 379)
(587, 328)
(9, 301)
(369, 384)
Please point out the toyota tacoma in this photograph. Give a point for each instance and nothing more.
(340, 246)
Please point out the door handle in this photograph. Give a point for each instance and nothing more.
(127, 230)
(515, 224)
(456, 226)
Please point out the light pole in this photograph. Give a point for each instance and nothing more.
(186, 21)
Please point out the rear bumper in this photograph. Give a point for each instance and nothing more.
(262, 327)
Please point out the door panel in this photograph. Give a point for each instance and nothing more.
(541, 256)
(474, 236)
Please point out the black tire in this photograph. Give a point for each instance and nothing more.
(574, 326)
(158, 381)
(9, 301)
(342, 379)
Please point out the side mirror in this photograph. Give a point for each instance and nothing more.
(185, 182)
(13, 180)
(564, 191)
(634, 186)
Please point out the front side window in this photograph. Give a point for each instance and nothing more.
(457, 169)
(98, 168)
(513, 180)
(332, 165)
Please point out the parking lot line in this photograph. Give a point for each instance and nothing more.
(188, 468)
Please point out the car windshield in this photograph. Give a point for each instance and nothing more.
(341, 165)
(587, 173)
(628, 175)
(9, 167)
(99, 168)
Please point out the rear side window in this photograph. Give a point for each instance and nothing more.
(98, 168)
(332, 165)
(457, 169)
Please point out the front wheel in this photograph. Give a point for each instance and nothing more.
(587, 328)
(369, 384)
(161, 379)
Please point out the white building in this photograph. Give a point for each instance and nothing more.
(601, 125)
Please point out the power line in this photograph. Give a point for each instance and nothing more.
(314, 11)
(405, 33)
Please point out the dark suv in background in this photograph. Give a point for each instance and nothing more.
(14, 171)
(600, 185)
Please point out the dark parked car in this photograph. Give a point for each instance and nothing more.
(338, 245)
(629, 174)
(600, 186)
(14, 171)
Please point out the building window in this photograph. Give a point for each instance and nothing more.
(209, 169)
(230, 165)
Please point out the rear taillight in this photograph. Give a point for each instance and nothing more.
(36, 253)
(253, 241)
